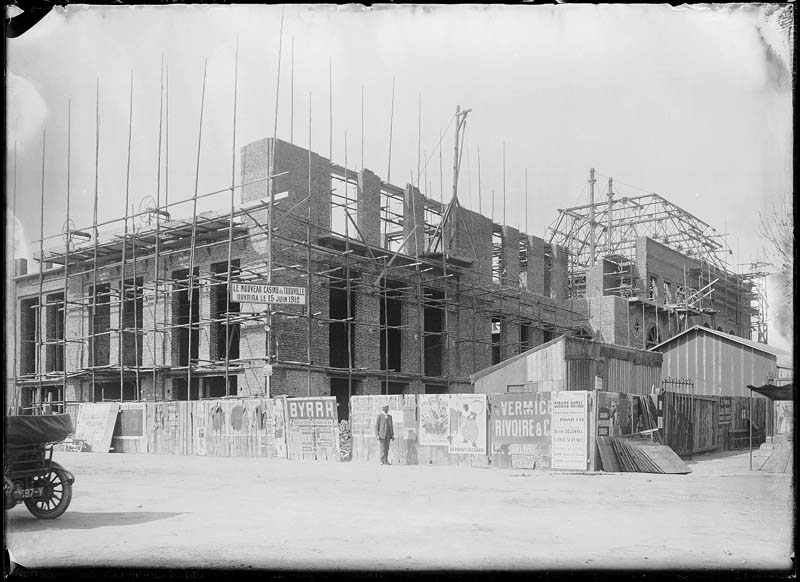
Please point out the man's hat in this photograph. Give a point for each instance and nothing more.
(386, 407)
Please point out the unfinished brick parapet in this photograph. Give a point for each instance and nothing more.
(509, 259)
(414, 221)
(369, 207)
(536, 265)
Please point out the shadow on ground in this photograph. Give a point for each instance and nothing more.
(21, 521)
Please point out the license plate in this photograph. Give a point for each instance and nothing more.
(29, 493)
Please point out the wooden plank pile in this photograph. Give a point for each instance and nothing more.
(607, 454)
(639, 455)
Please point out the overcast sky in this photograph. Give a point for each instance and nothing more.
(692, 103)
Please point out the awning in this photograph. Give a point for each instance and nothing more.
(785, 392)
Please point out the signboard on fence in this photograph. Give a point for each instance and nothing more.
(467, 423)
(261, 293)
(96, 425)
(434, 419)
(569, 423)
(519, 427)
(312, 431)
(725, 408)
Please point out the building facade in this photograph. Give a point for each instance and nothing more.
(402, 295)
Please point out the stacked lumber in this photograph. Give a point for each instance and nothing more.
(639, 455)
(607, 454)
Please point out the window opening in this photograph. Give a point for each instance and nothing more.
(344, 199)
(497, 352)
(391, 315)
(547, 287)
(338, 331)
(497, 253)
(391, 223)
(653, 337)
(433, 326)
(432, 217)
(100, 324)
(224, 346)
(29, 332)
(133, 312)
(525, 336)
(523, 263)
(55, 332)
(185, 323)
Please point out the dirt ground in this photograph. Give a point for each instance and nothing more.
(201, 512)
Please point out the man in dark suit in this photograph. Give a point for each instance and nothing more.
(384, 430)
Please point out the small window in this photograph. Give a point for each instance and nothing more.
(497, 346)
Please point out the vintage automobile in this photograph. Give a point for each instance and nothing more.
(30, 475)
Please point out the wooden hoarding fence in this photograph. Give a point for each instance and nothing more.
(691, 423)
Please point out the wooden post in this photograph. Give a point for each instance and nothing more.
(591, 218)
(610, 218)
(750, 423)
(271, 187)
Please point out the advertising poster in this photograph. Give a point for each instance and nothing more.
(434, 419)
(569, 425)
(608, 413)
(312, 427)
(467, 423)
(614, 414)
(519, 427)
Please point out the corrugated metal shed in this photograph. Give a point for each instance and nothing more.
(719, 363)
(568, 363)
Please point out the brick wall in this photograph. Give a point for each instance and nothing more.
(414, 216)
(509, 258)
(535, 264)
(665, 264)
(558, 277)
(369, 207)
(469, 317)
(473, 241)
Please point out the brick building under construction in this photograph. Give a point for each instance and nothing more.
(403, 294)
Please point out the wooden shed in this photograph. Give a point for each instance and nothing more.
(720, 364)
(569, 363)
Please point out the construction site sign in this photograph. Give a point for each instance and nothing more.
(261, 293)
